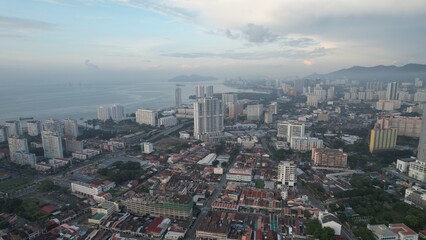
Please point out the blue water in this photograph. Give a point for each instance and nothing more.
(80, 100)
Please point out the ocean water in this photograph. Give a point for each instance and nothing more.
(80, 100)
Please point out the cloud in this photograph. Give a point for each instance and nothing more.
(90, 65)
(289, 54)
(308, 62)
(258, 34)
(23, 24)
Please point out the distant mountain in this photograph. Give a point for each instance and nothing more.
(385, 73)
(192, 78)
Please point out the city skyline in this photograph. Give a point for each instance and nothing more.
(223, 38)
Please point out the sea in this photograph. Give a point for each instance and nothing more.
(80, 100)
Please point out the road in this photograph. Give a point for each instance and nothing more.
(207, 207)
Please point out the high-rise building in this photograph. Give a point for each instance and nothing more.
(273, 107)
(73, 146)
(417, 169)
(305, 143)
(325, 157)
(228, 98)
(392, 91)
(418, 82)
(199, 92)
(178, 97)
(34, 128)
(289, 130)
(17, 144)
(104, 113)
(287, 173)
(52, 144)
(19, 152)
(382, 138)
(146, 116)
(71, 128)
(235, 109)
(208, 119)
(55, 126)
(209, 91)
(13, 128)
(312, 100)
(167, 121)
(407, 126)
(3, 133)
(421, 153)
(330, 93)
(117, 112)
(299, 84)
(255, 112)
(268, 117)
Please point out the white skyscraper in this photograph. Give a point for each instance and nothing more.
(34, 127)
(209, 91)
(13, 128)
(146, 116)
(52, 145)
(104, 113)
(287, 173)
(199, 91)
(55, 126)
(117, 112)
(417, 169)
(71, 128)
(392, 91)
(289, 129)
(208, 119)
(255, 112)
(178, 97)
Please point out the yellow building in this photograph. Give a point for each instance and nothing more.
(383, 139)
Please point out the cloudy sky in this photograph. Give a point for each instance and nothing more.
(225, 38)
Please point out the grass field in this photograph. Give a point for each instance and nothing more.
(13, 184)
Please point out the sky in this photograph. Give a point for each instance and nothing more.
(223, 38)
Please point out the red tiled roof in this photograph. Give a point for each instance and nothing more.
(48, 209)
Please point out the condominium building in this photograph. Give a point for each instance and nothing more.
(3, 133)
(55, 126)
(24, 158)
(407, 126)
(287, 173)
(312, 100)
(175, 206)
(392, 91)
(199, 92)
(417, 170)
(71, 128)
(146, 116)
(421, 153)
(13, 128)
(73, 146)
(17, 144)
(305, 143)
(34, 128)
(289, 130)
(229, 98)
(208, 119)
(178, 97)
(52, 144)
(209, 91)
(388, 105)
(117, 112)
(104, 113)
(382, 139)
(255, 112)
(420, 96)
(333, 158)
(235, 109)
(168, 121)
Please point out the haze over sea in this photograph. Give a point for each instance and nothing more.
(62, 99)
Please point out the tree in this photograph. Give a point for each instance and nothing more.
(259, 183)
(207, 194)
(224, 164)
(215, 163)
(46, 185)
(327, 233)
(314, 228)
